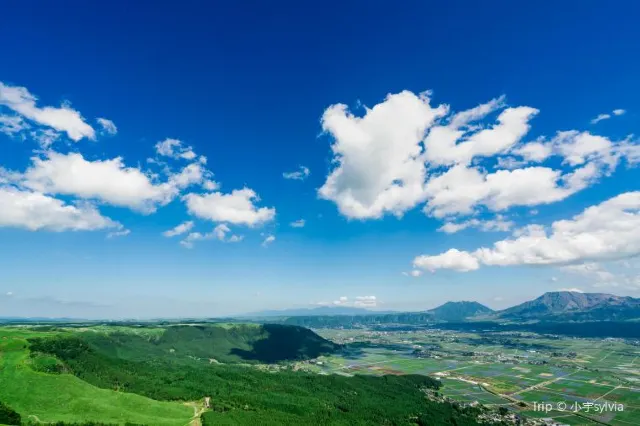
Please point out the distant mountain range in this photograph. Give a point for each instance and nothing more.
(561, 306)
(319, 311)
(556, 306)
(569, 305)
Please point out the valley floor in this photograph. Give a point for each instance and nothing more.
(504, 369)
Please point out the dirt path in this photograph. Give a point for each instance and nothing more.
(198, 409)
(34, 417)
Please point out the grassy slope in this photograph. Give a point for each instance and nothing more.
(64, 397)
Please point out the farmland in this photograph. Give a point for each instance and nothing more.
(522, 371)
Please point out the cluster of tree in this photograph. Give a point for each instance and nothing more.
(246, 395)
(8, 416)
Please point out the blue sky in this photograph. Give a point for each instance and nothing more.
(502, 123)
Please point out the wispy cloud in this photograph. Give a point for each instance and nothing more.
(301, 174)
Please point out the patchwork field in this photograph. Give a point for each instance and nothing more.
(522, 371)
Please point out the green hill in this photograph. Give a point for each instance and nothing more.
(154, 376)
(38, 396)
(227, 343)
(459, 311)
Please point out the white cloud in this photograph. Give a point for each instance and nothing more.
(573, 289)
(301, 174)
(403, 152)
(461, 189)
(534, 151)
(122, 233)
(443, 146)
(357, 302)
(298, 223)
(378, 156)
(474, 114)
(600, 118)
(413, 273)
(11, 125)
(235, 238)
(219, 233)
(63, 119)
(609, 230)
(365, 302)
(237, 207)
(268, 240)
(109, 181)
(108, 126)
(174, 148)
(45, 137)
(605, 116)
(579, 147)
(497, 224)
(210, 185)
(35, 211)
(179, 229)
(509, 163)
(451, 259)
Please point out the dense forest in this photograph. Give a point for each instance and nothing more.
(229, 343)
(247, 395)
(8, 416)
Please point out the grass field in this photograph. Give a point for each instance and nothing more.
(63, 397)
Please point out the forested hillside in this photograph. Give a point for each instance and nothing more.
(228, 343)
(245, 394)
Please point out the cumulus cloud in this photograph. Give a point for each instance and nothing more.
(609, 230)
(404, 152)
(179, 229)
(447, 145)
(108, 126)
(618, 111)
(268, 240)
(378, 165)
(36, 211)
(109, 181)
(451, 259)
(63, 119)
(298, 223)
(175, 149)
(461, 189)
(219, 233)
(236, 207)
